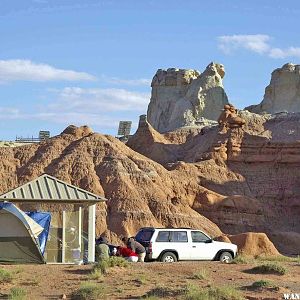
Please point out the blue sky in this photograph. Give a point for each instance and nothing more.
(91, 61)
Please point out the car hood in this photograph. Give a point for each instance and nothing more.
(226, 245)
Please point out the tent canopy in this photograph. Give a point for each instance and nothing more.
(18, 236)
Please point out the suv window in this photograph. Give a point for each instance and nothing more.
(144, 235)
(179, 236)
(163, 236)
(198, 237)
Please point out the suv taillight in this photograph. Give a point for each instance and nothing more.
(150, 247)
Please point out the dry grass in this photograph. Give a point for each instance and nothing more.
(201, 274)
(269, 268)
(212, 293)
(17, 293)
(6, 276)
(89, 291)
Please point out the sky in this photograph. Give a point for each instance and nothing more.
(90, 62)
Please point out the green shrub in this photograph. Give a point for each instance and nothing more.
(17, 293)
(202, 274)
(212, 293)
(102, 266)
(113, 261)
(5, 276)
(193, 292)
(261, 284)
(117, 261)
(269, 269)
(241, 259)
(89, 291)
(96, 274)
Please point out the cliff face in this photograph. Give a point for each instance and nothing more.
(251, 175)
(181, 97)
(283, 92)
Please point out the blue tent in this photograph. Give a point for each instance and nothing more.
(22, 236)
(43, 219)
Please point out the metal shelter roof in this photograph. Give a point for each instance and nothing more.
(47, 188)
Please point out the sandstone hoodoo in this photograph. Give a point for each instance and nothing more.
(181, 97)
(283, 92)
(229, 118)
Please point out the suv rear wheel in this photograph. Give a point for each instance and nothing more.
(168, 257)
(225, 257)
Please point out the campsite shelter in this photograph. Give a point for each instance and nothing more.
(73, 216)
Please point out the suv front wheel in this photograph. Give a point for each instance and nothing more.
(168, 257)
(225, 257)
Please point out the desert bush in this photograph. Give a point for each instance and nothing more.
(201, 274)
(269, 269)
(117, 261)
(96, 274)
(17, 293)
(5, 276)
(101, 266)
(262, 284)
(104, 264)
(212, 293)
(89, 291)
(241, 259)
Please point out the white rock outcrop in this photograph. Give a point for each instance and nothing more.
(283, 92)
(181, 97)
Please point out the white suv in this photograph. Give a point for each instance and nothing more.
(171, 245)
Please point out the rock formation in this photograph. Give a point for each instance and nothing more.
(180, 97)
(254, 244)
(249, 174)
(283, 92)
(229, 118)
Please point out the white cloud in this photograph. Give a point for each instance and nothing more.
(79, 106)
(18, 69)
(258, 43)
(96, 99)
(284, 53)
(254, 42)
(132, 82)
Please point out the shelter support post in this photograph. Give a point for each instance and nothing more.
(91, 233)
(63, 254)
